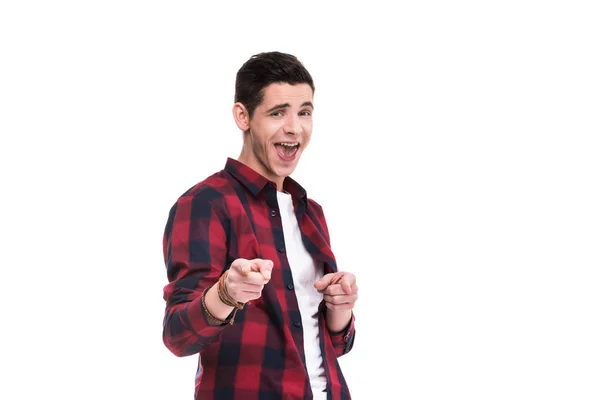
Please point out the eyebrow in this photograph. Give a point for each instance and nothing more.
(285, 105)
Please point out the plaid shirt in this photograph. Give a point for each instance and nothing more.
(234, 214)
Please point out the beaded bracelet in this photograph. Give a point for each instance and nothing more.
(224, 296)
(211, 318)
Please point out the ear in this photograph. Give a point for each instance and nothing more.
(241, 117)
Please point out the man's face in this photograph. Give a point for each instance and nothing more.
(280, 130)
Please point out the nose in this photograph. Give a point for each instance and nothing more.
(293, 125)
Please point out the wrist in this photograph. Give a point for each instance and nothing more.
(337, 320)
(216, 311)
(224, 295)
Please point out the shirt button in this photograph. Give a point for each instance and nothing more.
(281, 249)
(290, 286)
(273, 213)
(297, 324)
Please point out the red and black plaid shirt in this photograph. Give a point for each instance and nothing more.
(234, 214)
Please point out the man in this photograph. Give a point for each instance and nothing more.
(253, 283)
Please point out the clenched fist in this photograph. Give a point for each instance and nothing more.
(246, 278)
(339, 290)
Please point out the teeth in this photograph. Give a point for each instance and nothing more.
(289, 144)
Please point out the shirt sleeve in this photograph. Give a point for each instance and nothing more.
(195, 252)
(343, 341)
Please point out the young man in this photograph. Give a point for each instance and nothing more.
(253, 283)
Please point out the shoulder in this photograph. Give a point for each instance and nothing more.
(208, 194)
(316, 214)
(315, 208)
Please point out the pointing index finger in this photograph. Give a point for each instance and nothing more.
(347, 281)
(265, 268)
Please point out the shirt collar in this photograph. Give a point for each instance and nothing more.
(255, 182)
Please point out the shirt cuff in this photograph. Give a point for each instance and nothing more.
(345, 337)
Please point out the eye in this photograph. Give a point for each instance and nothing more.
(276, 114)
(305, 113)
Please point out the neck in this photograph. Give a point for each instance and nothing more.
(247, 158)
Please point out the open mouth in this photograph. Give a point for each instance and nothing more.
(286, 150)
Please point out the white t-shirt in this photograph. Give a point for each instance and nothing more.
(305, 273)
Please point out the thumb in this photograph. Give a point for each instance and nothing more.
(322, 283)
(346, 286)
(248, 267)
(347, 280)
(242, 265)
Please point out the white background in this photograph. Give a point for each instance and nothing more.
(455, 152)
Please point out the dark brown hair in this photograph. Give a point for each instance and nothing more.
(263, 69)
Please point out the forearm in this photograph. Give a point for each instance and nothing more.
(337, 320)
(342, 337)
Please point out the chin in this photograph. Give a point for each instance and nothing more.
(282, 171)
